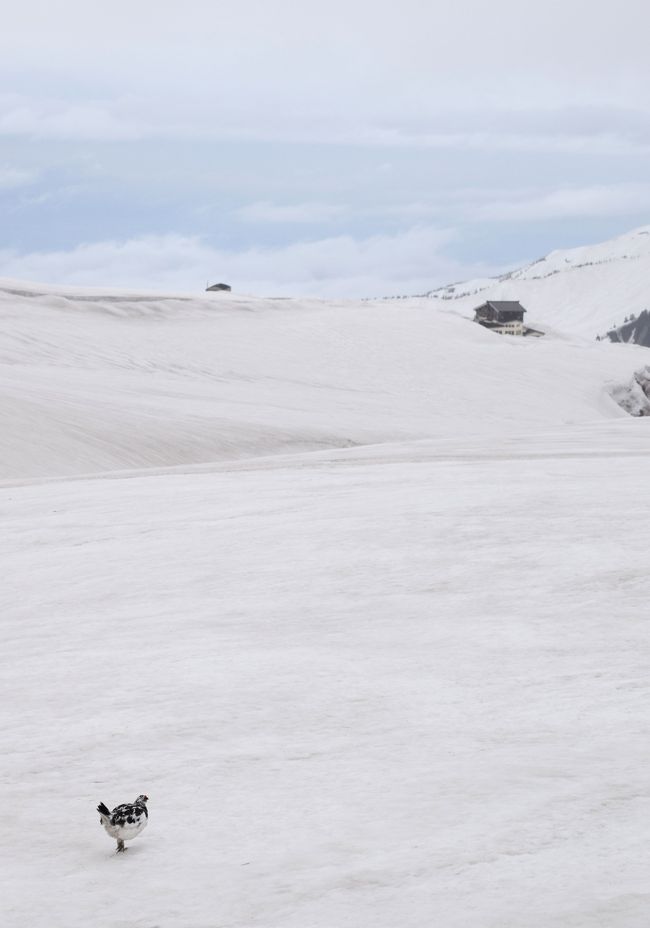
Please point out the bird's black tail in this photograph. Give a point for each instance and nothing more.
(102, 809)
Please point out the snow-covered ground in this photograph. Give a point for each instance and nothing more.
(586, 290)
(355, 593)
(91, 384)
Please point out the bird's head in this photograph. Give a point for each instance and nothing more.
(142, 798)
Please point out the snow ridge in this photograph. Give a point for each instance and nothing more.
(98, 382)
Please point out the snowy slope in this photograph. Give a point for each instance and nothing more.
(585, 291)
(384, 687)
(91, 382)
(375, 646)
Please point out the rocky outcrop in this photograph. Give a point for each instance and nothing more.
(635, 330)
(634, 397)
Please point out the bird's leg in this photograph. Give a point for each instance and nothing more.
(120, 846)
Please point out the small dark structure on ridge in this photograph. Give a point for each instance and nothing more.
(218, 287)
(503, 316)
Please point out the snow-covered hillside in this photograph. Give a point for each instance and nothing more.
(375, 645)
(91, 382)
(586, 291)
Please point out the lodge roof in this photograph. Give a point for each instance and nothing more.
(502, 306)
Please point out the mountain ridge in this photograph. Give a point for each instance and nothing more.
(584, 291)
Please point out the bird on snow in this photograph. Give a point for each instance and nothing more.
(125, 822)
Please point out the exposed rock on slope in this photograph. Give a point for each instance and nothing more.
(634, 397)
(635, 330)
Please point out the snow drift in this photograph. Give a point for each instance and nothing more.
(95, 382)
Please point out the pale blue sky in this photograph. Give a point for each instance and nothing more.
(338, 149)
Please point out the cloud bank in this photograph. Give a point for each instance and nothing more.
(316, 148)
(340, 266)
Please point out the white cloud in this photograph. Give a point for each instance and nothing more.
(465, 205)
(491, 88)
(352, 54)
(594, 201)
(290, 213)
(408, 262)
(434, 125)
(11, 178)
(47, 118)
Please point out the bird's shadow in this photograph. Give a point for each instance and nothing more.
(128, 852)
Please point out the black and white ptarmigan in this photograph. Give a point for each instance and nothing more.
(125, 822)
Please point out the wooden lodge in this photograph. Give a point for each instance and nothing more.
(503, 316)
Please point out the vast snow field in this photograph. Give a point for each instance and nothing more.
(91, 384)
(356, 593)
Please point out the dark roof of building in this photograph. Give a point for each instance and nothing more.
(502, 306)
(218, 287)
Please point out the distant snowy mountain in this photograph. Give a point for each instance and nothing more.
(585, 291)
